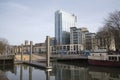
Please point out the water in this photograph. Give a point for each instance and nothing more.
(60, 71)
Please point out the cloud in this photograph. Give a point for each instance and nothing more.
(18, 6)
(13, 5)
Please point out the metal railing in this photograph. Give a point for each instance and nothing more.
(10, 56)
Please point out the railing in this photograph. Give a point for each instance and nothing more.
(10, 56)
(113, 53)
(66, 56)
(68, 53)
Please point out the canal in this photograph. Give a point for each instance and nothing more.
(60, 71)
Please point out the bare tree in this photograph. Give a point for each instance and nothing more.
(113, 24)
(104, 37)
(3, 45)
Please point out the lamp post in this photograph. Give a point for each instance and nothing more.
(48, 52)
(30, 59)
(21, 52)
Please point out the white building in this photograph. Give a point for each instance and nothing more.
(39, 48)
(67, 49)
(63, 22)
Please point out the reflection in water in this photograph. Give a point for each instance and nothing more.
(30, 73)
(21, 72)
(48, 74)
(70, 72)
(104, 73)
(60, 71)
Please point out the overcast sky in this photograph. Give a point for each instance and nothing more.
(34, 19)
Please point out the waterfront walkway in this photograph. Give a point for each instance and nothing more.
(6, 57)
(38, 64)
(68, 56)
(37, 60)
(40, 61)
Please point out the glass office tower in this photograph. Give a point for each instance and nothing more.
(63, 22)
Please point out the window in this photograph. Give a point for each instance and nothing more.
(119, 58)
(110, 58)
(114, 58)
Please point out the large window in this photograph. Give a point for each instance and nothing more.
(119, 58)
(113, 58)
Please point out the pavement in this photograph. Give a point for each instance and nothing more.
(35, 57)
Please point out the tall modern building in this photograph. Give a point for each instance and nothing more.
(63, 22)
(76, 36)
